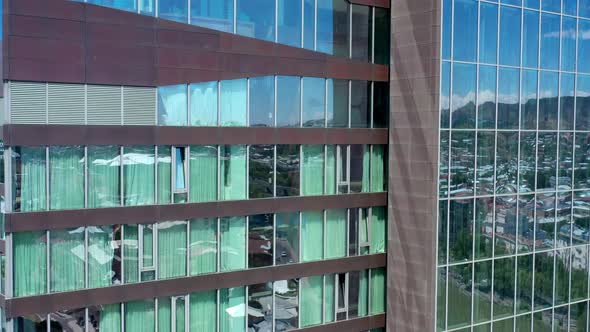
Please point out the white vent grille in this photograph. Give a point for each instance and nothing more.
(66, 103)
(139, 106)
(104, 105)
(28, 103)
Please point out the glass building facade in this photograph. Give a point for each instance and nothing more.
(513, 232)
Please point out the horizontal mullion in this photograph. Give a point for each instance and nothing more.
(45, 304)
(20, 135)
(61, 219)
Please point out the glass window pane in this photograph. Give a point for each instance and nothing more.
(445, 95)
(462, 163)
(486, 143)
(203, 246)
(105, 318)
(579, 273)
(360, 108)
(377, 291)
(261, 171)
(30, 179)
(288, 101)
(550, 32)
(532, 3)
(381, 105)
(524, 285)
(568, 43)
(203, 311)
(260, 240)
(175, 10)
(164, 174)
(358, 291)
(546, 163)
(30, 263)
(287, 233)
(337, 103)
(262, 101)
(505, 225)
(140, 316)
(336, 233)
(548, 104)
(233, 172)
(68, 320)
(583, 102)
(465, 30)
(504, 288)
(232, 309)
(311, 293)
(314, 102)
(528, 151)
(459, 295)
(260, 307)
(172, 249)
(441, 299)
(508, 102)
(233, 103)
(138, 175)
(361, 28)
(66, 259)
(488, 32)
(570, 7)
(512, 2)
(309, 24)
(486, 98)
(583, 43)
(578, 315)
(129, 5)
(530, 43)
(379, 171)
(312, 236)
(566, 102)
(146, 7)
(461, 223)
(447, 25)
(565, 164)
(463, 99)
(581, 218)
(382, 31)
(562, 273)
(130, 253)
(213, 14)
(581, 169)
(506, 162)
(332, 27)
(510, 36)
(543, 280)
(551, 5)
(289, 22)
(66, 162)
(233, 243)
(203, 173)
(204, 103)
(482, 285)
(172, 105)
(286, 304)
(528, 99)
(360, 168)
(287, 176)
(104, 175)
(104, 256)
(256, 19)
(312, 173)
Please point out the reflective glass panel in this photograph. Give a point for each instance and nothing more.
(508, 103)
(525, 225)
(287, 238)
(528, 151)
(260, 307)
(104, 172)
(510, 36)
(524, 284)
(289, 22)
(568, 43)
(172, 105)
(256, 19)
(175, 10)
(66, 259)
(332, 27)
(461, 222)
(530, 43)
(505, 226)
(66, 177)
(203, 246)
(382, 31)
(484, 220)
(337, 103)
(546, 162)
(261, 171)
(584, 9)
(233, 172)
(506, 162)
(260, 240)
(528, 98)
(308, 24)
(566, 102)
(447, 25)
(213, 14)
(543, 280)
(583, 102)
(583, 42)
(459, 296)
(463, 99)
(232, 243)
(314, 102)
(361, 28)
(204, 104)
(286, 304)
(130, 5)
(231, 317)
(287, 170)
(482, 297)
(462, 163)
(486, 97)
(550, 32)
(233, 103)
(360, 107)
(445, 94)
(503, 290)
(262, 101)
(545, 221)
(465, 30)
(548, 101)
(288, 101)
(488, 32)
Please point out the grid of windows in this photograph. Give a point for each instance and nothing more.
(274, 306)
(330, 26)
(58, 177)
(513, 220)
(101, 256)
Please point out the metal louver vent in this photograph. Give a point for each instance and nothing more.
(66, 103)
(28, 103)
(103, 105)
(139, 106)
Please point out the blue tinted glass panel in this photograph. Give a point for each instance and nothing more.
(172, 105)
(262, 101)
(213, 14)
(529, 100)
(147, 7)
(530, 43)
(314, 101)
(233, 103)
(550, 32)
(566, 102)
(289, 22)
(531, 4)
(548, 89)
(332, 27)
(463, 99)
(584, 9)
(488, 32)
(510, 36)
(570, 7)
(568, 44)
(583, 103)
(309, 24)
(512, 2)
(486, 97)
(445, 95)
(583, 46)
(204, 104)
(508, 101)
(129, 5)
(288, 101)
(551, 5)
(256, 19)
(175, 10)
(447, 22)
(465, 30)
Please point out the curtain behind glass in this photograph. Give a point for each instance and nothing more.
(378, 160)
(110, 318)
(130, 254)
(203, 173)
(100, 256)
(66, 177)
(164, 315)
(311, 300)
(232, 309)
(203, 311)
(312, 236)
(33, 179)
(164, 174)
(366, 181)
(233, 172)
(329, 298)
(312, 170)
(331, 170)
(138, 175)
(377, 290)
(140, 316)
(66, 259)
(363, 299)
(172, 105)
(233, 103)
(335, 233)
(203, 246)
(171, 249)
(104, 172)
(203, 106)
(30, 263)
(233, 243)
(378, 230)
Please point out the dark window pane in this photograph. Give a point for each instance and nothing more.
(503, 289)
(288, 101)
(262, 101)
(213, 14)
(287, 233)
(175, 10)
(381, 105)
(482, 298)
(382, 37)
(360, 113)
(260, 240)
(579, 273)
(361, 32)
(583, 102)
(314, 102)
(562, 272)
(261, 173)
(486, 102)
(488, 32)
(543, 280)
(332, 27)
(581, 222)
(524, 285)
(460, 230)
(510, 36)
(459, 296)
(359, 168)
(546, 162)
(289, 22)
(462, 163)
(287, 170)
(337, 103)
(465, 30)
(256, 19)
(260, 307)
